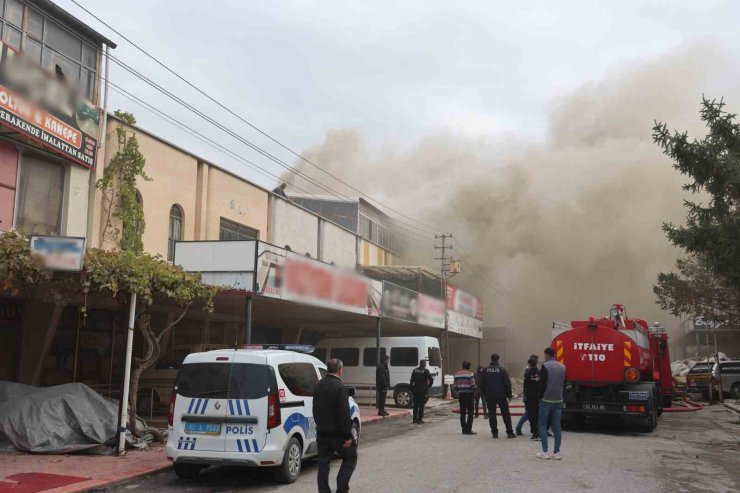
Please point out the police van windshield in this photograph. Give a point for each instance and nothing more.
(435, 358)
(225, 381)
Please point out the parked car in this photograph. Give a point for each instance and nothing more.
(157, 382)
(699, 378)
(359, 356)
(729, 376)
(246, 407)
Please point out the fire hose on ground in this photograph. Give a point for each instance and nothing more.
(683, 406)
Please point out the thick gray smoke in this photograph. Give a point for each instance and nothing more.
(559, 229)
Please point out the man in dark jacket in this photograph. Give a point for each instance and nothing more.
(496, 386)
(333, 428)
(480, 397)
(532, 395)
(382, 384)
(421, 380)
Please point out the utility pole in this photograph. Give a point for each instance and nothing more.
(445, 262)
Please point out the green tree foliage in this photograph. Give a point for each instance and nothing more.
(709, 277)
(119, 189)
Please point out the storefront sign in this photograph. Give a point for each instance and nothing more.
(59, 252)
(464, 313)
(462, 324)
(44, 108)
(315, 283)
(704, 323)
(431, 311)
(462, 302)
(400, 303)
(227, 264)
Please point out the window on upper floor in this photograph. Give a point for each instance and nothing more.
(175, 230)
(230, 230)
(40, 195)
(51, 44)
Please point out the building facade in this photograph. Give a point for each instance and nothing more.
(50, 87)
(376, 241)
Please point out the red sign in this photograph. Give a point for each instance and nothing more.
(462, 302)
(42, 107)
(312, 282)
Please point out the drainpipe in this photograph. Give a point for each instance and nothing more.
(101, 154)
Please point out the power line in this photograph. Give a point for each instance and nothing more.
(251, 125)
(251, 145)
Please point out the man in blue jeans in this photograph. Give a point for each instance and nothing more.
(552, 382)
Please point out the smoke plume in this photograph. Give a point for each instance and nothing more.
(557, 229)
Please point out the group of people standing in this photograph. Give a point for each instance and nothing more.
(543, 398)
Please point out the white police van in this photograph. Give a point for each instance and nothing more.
(251, 406)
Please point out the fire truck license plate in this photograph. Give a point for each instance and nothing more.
(595, 407)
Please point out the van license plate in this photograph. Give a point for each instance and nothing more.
(203, 428)
(595, 407)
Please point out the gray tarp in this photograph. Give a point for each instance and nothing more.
(65, 418)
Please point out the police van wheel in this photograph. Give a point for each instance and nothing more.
(403, 398)
(735, 391)
(187, 471)
(290, 469)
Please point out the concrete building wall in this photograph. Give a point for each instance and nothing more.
(75, 197)
(173, 176)
(338, 245)
(294, 226)
(236, 200)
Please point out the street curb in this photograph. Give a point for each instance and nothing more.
(731, 407)
(109, 481)
(386, 418)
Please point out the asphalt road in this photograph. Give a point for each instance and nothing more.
(689, 452)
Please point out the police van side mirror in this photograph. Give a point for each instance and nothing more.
(351, 391)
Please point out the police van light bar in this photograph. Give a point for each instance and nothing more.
(298, 348)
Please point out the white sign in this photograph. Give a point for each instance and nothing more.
(59, 252)
(449, 379)
(465, 325)
(216, 256)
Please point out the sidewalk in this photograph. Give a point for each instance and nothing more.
(733, 405)
(29, 473)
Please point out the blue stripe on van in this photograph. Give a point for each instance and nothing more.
(231, 408)
(256, 449)
(246, 446)
(190, 407)
(246, 407)
(239, 445)
(239, 407)
(205, 406)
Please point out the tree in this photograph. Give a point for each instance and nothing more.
(694, 290)
(709, 278)
(153, 280)
(118, 186)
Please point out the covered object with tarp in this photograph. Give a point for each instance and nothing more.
(60, 419)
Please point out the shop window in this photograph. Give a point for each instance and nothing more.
(404, 356)
(230, 230)
(175, 232)
(40, 196)
(300, 378)
(350, 356)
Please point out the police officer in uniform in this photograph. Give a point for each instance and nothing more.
(382, 383)
(496, 385)
(421, 380)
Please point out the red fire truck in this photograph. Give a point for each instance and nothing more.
(615, 366)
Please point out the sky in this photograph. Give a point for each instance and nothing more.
(395, 71)
(524, 128)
